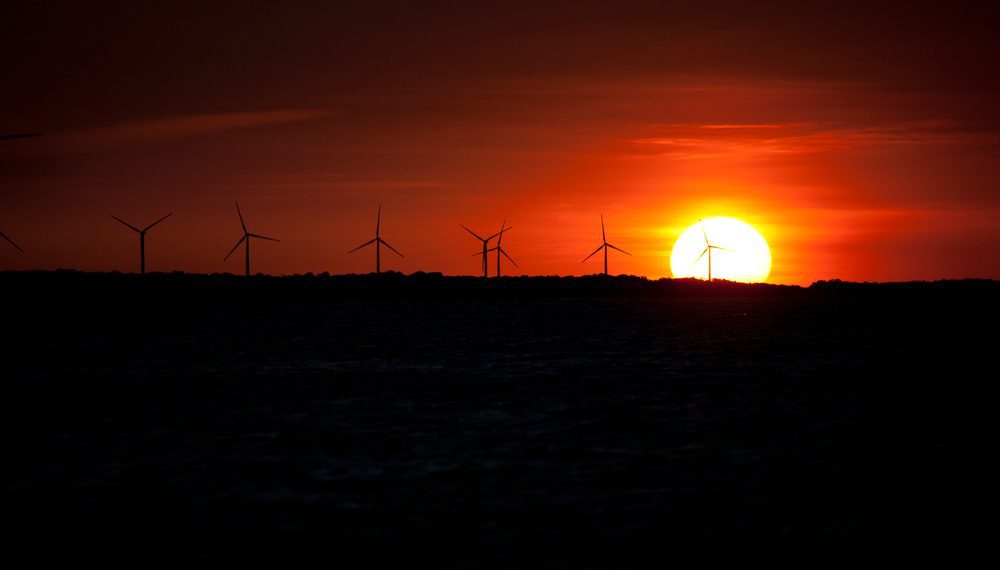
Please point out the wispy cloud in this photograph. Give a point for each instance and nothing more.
(176, 127)
(685, 141)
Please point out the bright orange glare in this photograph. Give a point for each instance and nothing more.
(735, 250)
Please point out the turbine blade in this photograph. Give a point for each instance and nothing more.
(703, 232)
(263, 237)
(703, 252)
(722, 248)
(240, 214)
(599, 248)
(619, 249)
(604, 238)
(507, 229)
(474, 234)
(367, 243)
(385, 243)
(19, 136)
(500, 233)
(147, 228)
(510, 258)
(378, 221)
(17, 247)
(126, 223)
(235, 246)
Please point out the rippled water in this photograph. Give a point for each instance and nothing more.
(494, 425)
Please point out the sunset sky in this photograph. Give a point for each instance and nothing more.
(863, 143)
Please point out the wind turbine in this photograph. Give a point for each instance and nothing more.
(142, 238)
(246, 238)
(17, 247)
(708, 249)
(604, 245)
(379, 242)
(485, 245)
(500, 250)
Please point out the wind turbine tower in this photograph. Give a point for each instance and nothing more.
(604, 245)
(486, 249)
(708, 250)
(142, 238)
(379, 242)
(499, 248)
(247, 236)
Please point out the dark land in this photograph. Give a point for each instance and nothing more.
(170, 418)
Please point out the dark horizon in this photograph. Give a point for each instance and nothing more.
(165, 420)
(428, 277)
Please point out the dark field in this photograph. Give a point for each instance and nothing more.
(182, 417)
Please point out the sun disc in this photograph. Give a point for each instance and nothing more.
(739, 252)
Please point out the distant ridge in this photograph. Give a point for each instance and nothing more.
(423, 284)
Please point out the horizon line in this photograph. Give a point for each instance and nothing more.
(438, 274)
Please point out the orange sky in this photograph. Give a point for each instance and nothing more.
(859, 152)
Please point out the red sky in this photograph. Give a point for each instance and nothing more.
(864, 143)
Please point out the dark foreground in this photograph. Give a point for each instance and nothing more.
(185, 418)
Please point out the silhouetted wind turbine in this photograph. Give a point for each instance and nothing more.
(17, 247)
(499, 249)
(142, 238)
(604, 245)
(246, 238)
(708, 249)
(485, 245)
(378, 241)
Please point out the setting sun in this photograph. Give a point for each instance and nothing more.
(721, 248)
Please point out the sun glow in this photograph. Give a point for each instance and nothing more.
(735, 250)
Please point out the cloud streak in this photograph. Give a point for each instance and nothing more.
(695, 142)
(176, 128)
